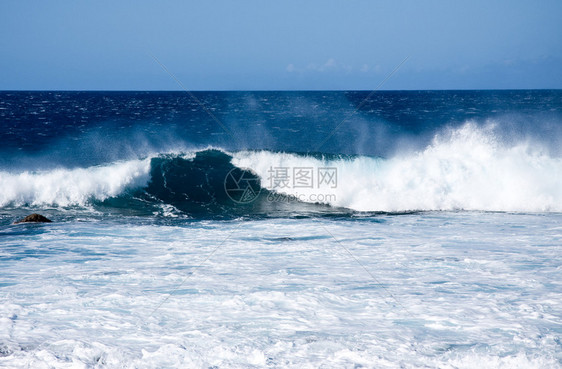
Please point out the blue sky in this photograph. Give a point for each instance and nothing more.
(280, 45)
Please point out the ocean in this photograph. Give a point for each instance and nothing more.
(310, 229)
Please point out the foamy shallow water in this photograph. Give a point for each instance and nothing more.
(437, 290)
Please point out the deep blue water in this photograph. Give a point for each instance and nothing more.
(70, 125)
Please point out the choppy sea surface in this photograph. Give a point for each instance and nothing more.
(414, 229)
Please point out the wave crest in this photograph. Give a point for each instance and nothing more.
(467, 168)
(71, 187)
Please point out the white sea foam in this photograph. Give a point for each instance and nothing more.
(438, 290)
(467, 168)
(66, 187)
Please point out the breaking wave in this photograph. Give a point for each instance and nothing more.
(463, 169)
(467, 168)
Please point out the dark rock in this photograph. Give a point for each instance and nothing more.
(34, 218)
(285, 239)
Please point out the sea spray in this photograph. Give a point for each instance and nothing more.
(68, 187)
(466, 168)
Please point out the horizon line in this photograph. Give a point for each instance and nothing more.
(281, 90)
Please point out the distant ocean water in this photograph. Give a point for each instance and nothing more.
(281, 229)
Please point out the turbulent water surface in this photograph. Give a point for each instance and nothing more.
(281, 229)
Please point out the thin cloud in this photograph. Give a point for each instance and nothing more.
(330, 65)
